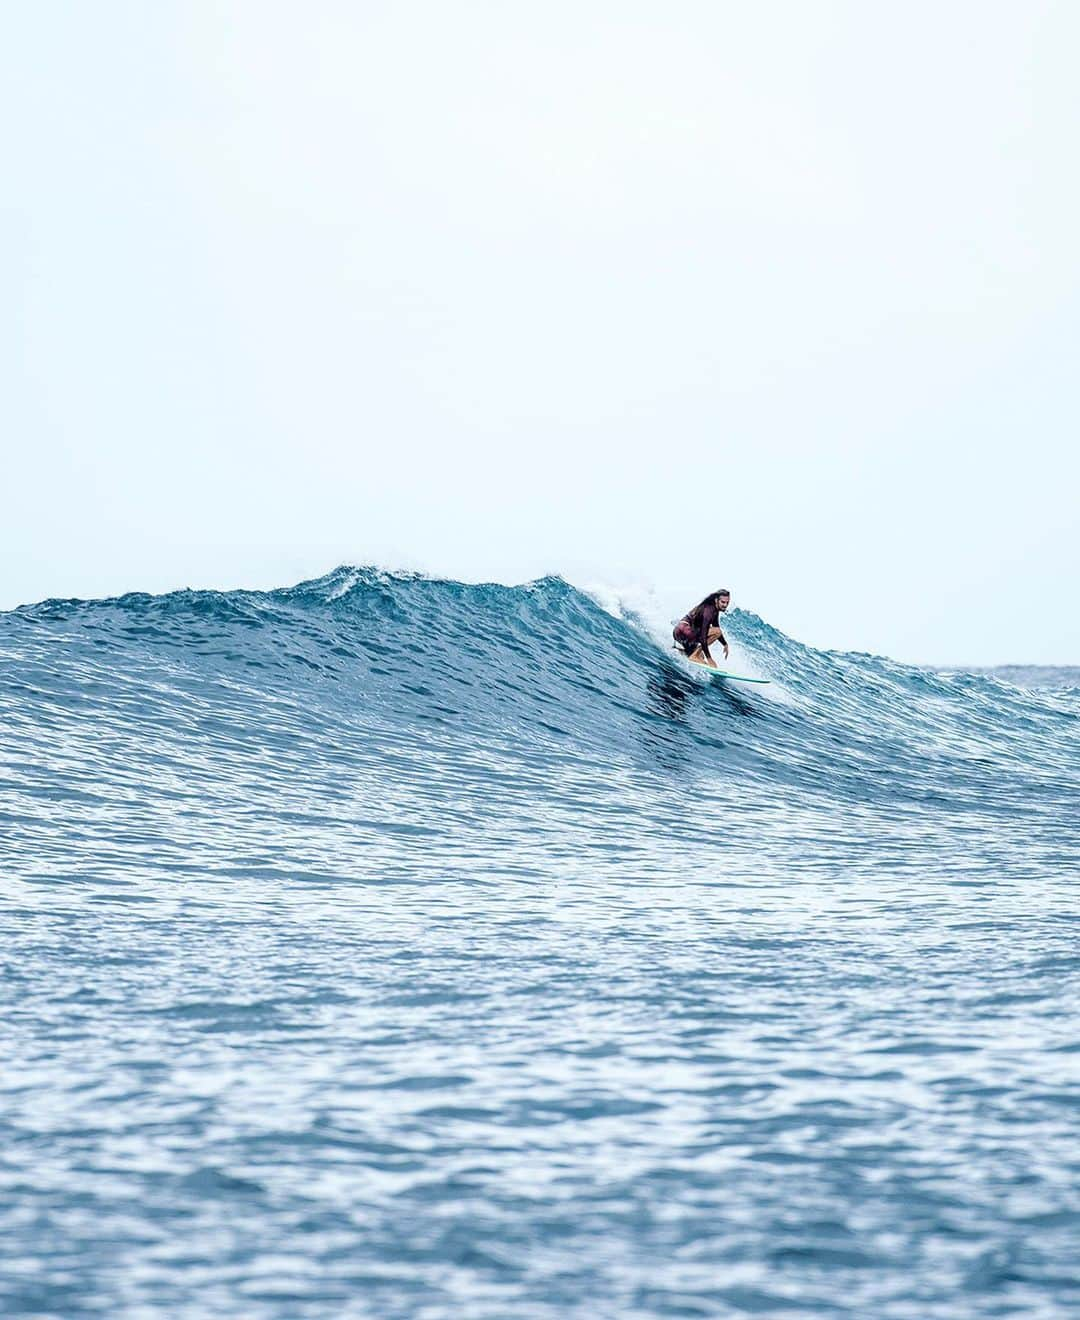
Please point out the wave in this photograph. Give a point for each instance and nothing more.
(546, 663)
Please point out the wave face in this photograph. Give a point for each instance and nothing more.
(387, 946)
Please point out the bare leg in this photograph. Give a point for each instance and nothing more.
(698, 655)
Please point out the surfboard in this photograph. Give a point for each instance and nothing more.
(724, 673)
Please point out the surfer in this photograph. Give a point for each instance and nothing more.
(695, 632)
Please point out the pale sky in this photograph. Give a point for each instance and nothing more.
(778, 296)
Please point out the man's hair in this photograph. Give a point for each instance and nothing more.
(695, 613)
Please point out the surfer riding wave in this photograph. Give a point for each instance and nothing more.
(696, 631)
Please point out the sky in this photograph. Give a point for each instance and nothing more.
(783, 297)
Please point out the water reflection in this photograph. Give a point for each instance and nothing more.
(668, 692)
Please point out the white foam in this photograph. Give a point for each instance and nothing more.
(345, 585)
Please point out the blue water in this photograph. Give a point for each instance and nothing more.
(388, 947)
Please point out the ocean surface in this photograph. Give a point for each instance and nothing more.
(391, 947)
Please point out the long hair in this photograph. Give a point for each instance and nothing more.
(695, 613)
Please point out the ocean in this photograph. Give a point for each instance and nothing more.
(392, 947)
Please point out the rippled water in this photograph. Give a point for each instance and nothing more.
(512, 983)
